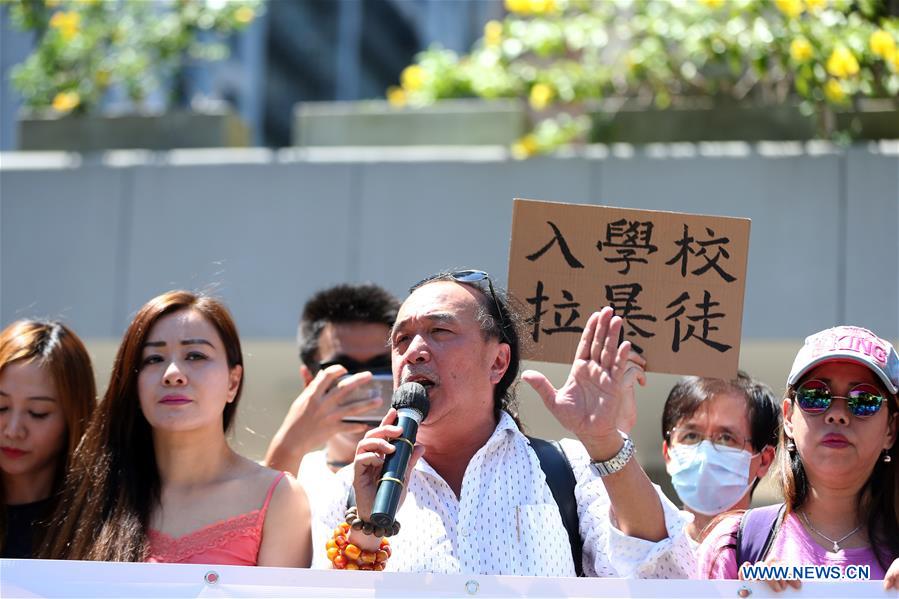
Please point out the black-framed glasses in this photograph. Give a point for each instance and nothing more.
(472, 277)
(722, 440)
(815, 397)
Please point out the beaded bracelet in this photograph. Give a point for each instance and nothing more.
(346, 556)
(357, 523)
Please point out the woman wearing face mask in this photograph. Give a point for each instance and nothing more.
(839, 465)
(47, 395)
(718, 442)
(155, 479)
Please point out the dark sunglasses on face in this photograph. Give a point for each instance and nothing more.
(814, 397)
(378, 365)
(472, 276)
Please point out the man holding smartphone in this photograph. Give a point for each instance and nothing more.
(342, 338)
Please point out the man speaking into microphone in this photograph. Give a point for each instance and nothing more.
(477, 498)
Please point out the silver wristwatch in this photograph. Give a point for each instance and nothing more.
(618, 461)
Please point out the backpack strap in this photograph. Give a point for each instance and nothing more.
(756, 533)
(561, 481)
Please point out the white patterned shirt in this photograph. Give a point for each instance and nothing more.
(314, 469)
(507, 522)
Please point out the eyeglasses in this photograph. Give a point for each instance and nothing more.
(814, 397)
(721, 440)
(470, 277)
(378, 365)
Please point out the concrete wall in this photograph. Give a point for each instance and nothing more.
(89, 239)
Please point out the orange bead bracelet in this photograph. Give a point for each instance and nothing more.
(347, 556)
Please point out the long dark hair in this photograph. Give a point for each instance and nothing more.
(878, 504)
(114, 482)
(55, 348)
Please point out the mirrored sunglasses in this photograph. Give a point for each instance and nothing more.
(815, 397)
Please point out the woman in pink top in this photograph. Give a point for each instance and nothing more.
(155, 478)
(839, 464)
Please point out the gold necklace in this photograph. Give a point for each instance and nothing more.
(836, 543)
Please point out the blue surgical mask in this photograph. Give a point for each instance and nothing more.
(709, 479)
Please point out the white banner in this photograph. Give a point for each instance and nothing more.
(47, 578)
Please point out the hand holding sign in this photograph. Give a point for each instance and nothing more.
(589, 402)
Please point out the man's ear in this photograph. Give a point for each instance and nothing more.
(665, 455)
(500, 363)
(305, 374)
(767, 459)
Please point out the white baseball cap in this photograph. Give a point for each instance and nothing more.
(849, 343)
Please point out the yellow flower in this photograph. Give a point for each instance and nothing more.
(882, 44)
(66, 101)
(800, 49)
(244, 15)
(518, 6)
(412, 78)
(539, 7)
(814, 6)
(713, 4)
(525, 147)
(493, 33)
(834, 91)
(894, 61)
(791, 8)
(67, 23)
(541, 95)
(396, 96)
(842, 63)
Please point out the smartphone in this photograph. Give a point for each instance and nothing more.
(380, 385)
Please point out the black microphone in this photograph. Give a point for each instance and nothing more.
(411, 403)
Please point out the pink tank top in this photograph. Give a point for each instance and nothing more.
(231, 542)
(793, 546)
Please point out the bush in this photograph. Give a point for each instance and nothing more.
(84, 48)
(560, 55)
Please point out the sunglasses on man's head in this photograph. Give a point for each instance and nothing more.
(814, 397)
(378, 365)
(472, 276)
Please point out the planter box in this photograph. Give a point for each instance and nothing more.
(180, 129)
(477, 122)
(377, 123)
(781, 122)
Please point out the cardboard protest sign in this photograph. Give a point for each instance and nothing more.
(676, 279)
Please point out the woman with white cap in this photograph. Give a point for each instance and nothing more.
(839, 468)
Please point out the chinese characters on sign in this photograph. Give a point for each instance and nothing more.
(676, 279)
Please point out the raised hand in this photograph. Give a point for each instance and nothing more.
(589, 402)
(317, 414)
(633, 373)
